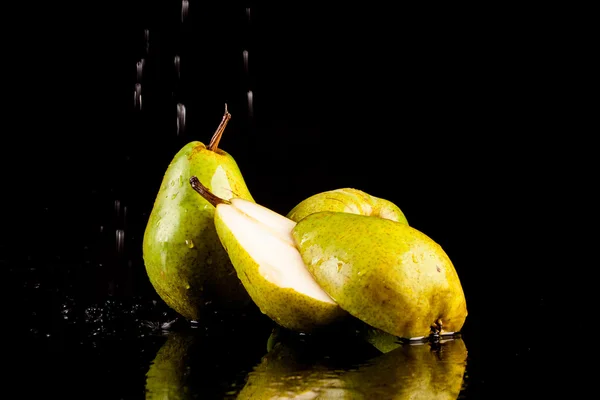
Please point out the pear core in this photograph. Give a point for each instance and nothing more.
(267, 238)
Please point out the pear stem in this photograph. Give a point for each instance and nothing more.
(206, 193)
(214, 141)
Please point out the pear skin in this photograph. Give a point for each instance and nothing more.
(184, 258)
(347, 200)
(385, 273)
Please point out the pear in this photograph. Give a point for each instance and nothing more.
(347, 200)
(184, 259)
(260, 245)
(385, 273)
(411, 371)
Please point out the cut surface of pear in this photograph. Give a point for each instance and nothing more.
(261, 248)
(385, 273)
(348, 200)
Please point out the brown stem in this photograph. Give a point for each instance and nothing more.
(214, 141)
(206, 193)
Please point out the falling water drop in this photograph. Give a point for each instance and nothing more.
(147, 39)
(137, 96)
(245, 54)
(180, 118)
(250, 103)
(185, 9)
(178, 66)
(248, 13)
(120, 236)
(140, 69)
(118, 207)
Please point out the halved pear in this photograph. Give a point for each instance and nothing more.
(262, 250)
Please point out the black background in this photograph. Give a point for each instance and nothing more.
(437, 110)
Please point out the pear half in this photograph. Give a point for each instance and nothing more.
(262, 250)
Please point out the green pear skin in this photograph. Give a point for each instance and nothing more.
(184, 258)
(347, 200)
(285, 306)
(385, 273)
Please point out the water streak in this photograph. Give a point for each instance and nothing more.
(137, 96)
(180, 118)
(185, 9)
(250, 96)
(178, 66)
(245, 55)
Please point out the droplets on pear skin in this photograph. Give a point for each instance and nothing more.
(189, 243)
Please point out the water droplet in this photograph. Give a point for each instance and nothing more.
(158, 222)
(180, 118)
(101, 228)
(140, 69)
(147, 39)
(248, 13)
(250, 96)
(174, 195)
(172, 183)
(360, 273)
(190, 243)
(137, 96)
(245, 55)
(120, 236)
(178, 66)
(415, 258)
(185, 9)
(187, 286)
(339, 266)
(209, 260)
(117, 207)
(180, 180)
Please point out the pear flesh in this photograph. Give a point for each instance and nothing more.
(348, 200)
(262, 250)
(385, 273)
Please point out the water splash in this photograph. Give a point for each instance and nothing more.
(180, 118)
(137, 96)
(185, 9)
(250, 96)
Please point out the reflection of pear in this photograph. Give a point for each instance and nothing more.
(412, 371)
(166, 378)
(302, 367)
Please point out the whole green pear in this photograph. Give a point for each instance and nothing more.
(385, 273)
(184, 258)
(347, 200)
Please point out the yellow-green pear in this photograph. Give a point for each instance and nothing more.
(184, 258)
(385, 273)
(260, 245)
(420, 371)
(347, 200)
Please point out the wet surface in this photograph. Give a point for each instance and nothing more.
(439, 133)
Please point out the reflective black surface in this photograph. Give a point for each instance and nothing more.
(421, 107)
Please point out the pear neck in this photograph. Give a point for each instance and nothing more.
(216, 138)
(206, 193)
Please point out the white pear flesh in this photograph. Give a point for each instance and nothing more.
(262, 250)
